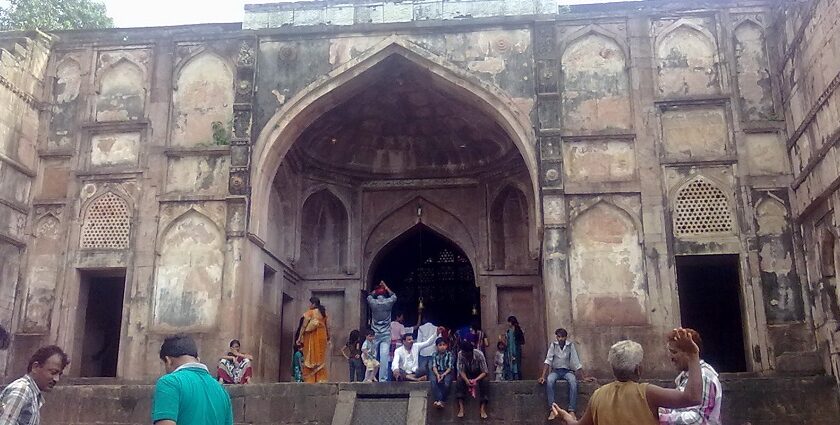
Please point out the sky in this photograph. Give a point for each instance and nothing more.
(148, 13)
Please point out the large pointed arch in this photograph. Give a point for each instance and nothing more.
(403, 218)
(283, 129)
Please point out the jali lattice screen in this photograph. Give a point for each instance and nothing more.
(106, 223)
(701, 208)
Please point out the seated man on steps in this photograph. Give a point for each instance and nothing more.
(406, 359)
(472, 378)
(564, 363)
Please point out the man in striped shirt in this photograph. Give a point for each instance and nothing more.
(21, 401)
(708, 411)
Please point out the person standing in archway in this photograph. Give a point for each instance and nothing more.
(314, 336)
(381, 301)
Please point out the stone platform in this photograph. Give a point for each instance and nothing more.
(747, 401)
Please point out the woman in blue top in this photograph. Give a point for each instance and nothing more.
(514, 340)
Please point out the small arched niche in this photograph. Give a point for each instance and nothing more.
(596, 90)
(509, 229)
(687, 62)
(606, 266)
(188, 278)
(203, 102)
(122, 93)
(324, 234)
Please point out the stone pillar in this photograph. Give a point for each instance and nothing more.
(558, 296)
(557, 291)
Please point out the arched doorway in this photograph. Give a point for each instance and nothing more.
(422, 264)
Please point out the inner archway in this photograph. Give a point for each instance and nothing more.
(422, 264)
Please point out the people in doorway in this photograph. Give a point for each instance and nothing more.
(475, 335)
(443, 368)
(315, 335)
(407, 359)
(424, 332)
(352, 351)
(297, 363)
(397, 331)
(561, 362)
(707, 412)
(380, 301)
(499, 361)
(472, 378)
(514, 340)
(21, 400)
(369, 356)
(188, 394)
(235, 366)
(626, 401)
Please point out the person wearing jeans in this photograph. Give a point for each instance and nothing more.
(563, 362)
(443, 367)
(381, 301)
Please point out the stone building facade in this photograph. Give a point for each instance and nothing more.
(612, 169)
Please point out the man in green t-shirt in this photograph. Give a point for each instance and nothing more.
(188, 394)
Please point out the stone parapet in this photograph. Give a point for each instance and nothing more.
(337, 13)
(811, 400)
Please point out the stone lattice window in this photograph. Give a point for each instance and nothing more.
(106, 224)
(701, 208)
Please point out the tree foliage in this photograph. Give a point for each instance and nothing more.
(50, 15)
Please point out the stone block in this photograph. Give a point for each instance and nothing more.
(765, 154)
(397, 12)
(114, 149)
(304, 17)
(695, 133)
(340, 15)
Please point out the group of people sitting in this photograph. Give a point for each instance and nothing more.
(696, 399)
(389, 351)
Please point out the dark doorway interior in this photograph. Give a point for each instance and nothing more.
(288, 325)
(710, 302)
(103, 321)
(422, 263)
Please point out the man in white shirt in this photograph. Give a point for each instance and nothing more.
(424, 332)
(563, 362)
(406, 359)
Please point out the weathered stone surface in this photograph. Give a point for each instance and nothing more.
(113, 150)
(765, 154)
(687, 63)
(696, 133)
(599, 161)
(571, 157)
(754, 80)
(596, 90)
(746, 401)
(189, 274)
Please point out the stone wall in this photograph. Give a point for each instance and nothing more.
(750, 401)
(227, 175)
(809, 71)
(23, 60)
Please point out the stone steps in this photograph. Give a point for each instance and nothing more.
(748, 400)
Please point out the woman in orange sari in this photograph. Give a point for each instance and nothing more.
(314, 335)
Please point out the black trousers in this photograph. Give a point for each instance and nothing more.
(462, 390)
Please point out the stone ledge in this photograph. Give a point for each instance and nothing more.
(756, 400)
(347, 12)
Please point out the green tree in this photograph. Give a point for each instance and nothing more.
(50, 15)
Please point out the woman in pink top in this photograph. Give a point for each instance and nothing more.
(397, 331)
